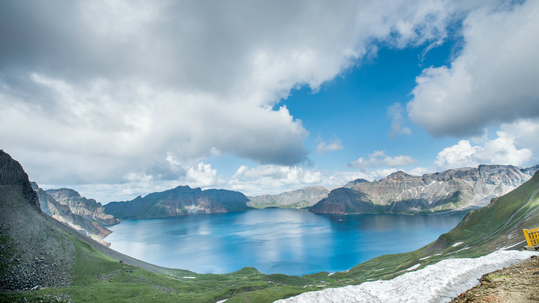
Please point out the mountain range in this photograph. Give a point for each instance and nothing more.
(401, 193)
(300, 198)
(61, 264)
(180, 201)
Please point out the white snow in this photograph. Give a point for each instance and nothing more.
(457, 244)
(413, 267)
(439, 282)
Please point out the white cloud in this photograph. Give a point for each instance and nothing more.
(395, 112)
(333, 146)
(493, 79)
(525, 132)
(122, 86)
(264, 179)
(420, 171)
(379, 158)
(501, 150)
(203, 176)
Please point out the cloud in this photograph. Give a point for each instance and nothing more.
(397, 120)
(265, 179)
(525, 133)
(493, 79)
(501, 150)
(379, 158)
(333, 146)
(102, 92)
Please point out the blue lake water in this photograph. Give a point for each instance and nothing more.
(287, 241)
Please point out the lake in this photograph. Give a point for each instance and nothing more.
(287, 241)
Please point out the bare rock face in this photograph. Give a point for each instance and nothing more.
(179, 201)
(63, 213)
(401, 193)
(87, 208)
(12, 174)
(300, 198)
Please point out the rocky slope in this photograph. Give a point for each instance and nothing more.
(81, 206)
(300, 198)
(38, 251)
(516, 284)
(63, 213)
(179, 201)
(400, 193)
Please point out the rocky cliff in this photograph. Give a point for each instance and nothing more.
(87, 208)
(300, 198)
(179, 201)
(400, 193)
(63, 213)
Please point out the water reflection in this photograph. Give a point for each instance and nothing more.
(285, 241)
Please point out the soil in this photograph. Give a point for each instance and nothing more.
(518, 283)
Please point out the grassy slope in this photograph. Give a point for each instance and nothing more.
(98, 277)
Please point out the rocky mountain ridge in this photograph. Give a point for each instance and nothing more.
(180, 201)
(300, 198)
(87, 208)
(64, 214)
(401, 193)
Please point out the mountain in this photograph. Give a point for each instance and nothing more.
(38, 251)
(81, 206)
(400, 193)
(300, 198)
(63, 213)
(497, 226)
(179, 201)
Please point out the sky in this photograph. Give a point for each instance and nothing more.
(123, 98)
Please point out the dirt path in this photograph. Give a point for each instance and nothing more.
(518, 283)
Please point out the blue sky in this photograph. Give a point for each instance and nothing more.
(118, 98)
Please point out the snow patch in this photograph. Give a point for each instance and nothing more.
(457, 244)
(413, 267)
(439, 282)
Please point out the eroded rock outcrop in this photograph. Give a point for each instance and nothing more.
(87, 208)
(64, 214)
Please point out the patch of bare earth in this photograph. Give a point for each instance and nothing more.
(518, 283)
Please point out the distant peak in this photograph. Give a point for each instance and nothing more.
(398, 176)
(355, 182)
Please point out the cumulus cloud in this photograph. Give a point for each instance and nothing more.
(322, 147)
(501, 150)
(265, 179)
(379, 158)
(493, 79)
(103, 92)
(525, 132)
